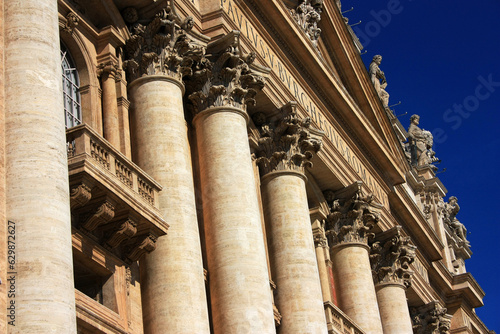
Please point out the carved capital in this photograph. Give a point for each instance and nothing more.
(227, 80)
(145, 246)
(430, 319)
(391, 256)
(109, 69)
(80, 195)
(308, 14)
(162, 46)
(71, 23)
(287, 143)
(103, 215)
(352, 216)
(126, 231)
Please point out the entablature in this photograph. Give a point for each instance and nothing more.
(316, 89)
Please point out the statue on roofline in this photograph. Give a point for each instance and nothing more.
(378, 79)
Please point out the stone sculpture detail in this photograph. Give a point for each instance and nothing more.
(287, 144)
(351, 219)
(449, 212)
(420, 144)
(430, 319)
(308, 14)
(160, 47)
(391, 259)
(378, 79)
(225, 78)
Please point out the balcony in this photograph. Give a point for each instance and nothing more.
(113, 201)
(338, 322)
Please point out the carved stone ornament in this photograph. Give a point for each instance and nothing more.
(227, 79)
(162, 46)
(126, 231)
(352, 216)
(71, 22)
(287, 143)
(391, 256)
(146, 246)
(80, 195)
(378, 79)
(110, 69)
(104, 213)
(430, 319)
(449, 213)
(420, 143)
(308, 14)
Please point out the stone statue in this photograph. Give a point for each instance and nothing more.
(450, 211)
(378, 79)
(420, 142)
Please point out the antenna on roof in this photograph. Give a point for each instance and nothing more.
(355, 24)
(441, 171)
(347, 11)
(397, 104)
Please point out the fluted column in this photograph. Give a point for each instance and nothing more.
(348, 230)
(37, 188)
(285, 148)
(173, 287)
(111, 124)
(237, 266)
(391, 255)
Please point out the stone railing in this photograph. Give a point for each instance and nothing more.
(84, 143)
(338, 322)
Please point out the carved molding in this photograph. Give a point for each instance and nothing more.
(146, 246)
(353, 215)
(103, 215)
(308, 14)
(391, 256)
(126, 231)
(162, 46)
(80, 195)
(430, 319)
(227, 78)
(287, 143)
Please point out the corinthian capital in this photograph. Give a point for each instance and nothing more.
(228, 79)
(390, 256)
(352, 215)
(288, 143)
(430, 319)
(162, 46)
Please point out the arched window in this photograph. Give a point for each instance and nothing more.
(71, 90)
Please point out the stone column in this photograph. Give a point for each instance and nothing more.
(352, 216)
(391, 255)
(173, 287)
(285, 148)
(237, 266)
(111, 124)
(37, 188)
(430, 318)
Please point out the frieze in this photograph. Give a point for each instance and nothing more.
(272, 61)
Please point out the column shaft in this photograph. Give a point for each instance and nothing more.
(111, 122)
(237, 266)
(294, 260)
(393, 307)
(174, 298)
(323, 274)
(37, 188)
(355, 287)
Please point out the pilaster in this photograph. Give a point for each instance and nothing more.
(430, 319)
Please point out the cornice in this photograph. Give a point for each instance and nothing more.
(326, 86)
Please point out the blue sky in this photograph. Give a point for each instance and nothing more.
(442, 61)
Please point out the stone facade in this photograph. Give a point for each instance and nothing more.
(200, 166)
